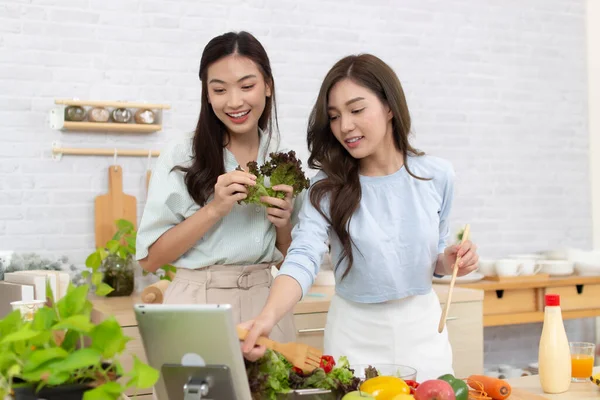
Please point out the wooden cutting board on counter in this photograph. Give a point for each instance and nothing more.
(113, 206)
(520, 394)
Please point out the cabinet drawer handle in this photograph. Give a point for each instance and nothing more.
(311, 330)
(451, 318)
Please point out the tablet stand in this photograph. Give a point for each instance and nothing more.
(213, 382)
(210, 382)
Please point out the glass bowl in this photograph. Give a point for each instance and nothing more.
(401, 371)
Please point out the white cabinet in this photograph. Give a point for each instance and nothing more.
(310, 328)
(465, 332)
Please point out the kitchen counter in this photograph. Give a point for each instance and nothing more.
(319, 297)
(577, 391)
(519, 300)
(317, 300)
(531, 386)
(465, 324)
(459, 295)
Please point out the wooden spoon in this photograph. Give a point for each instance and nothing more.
(299, 355)
(442, 323)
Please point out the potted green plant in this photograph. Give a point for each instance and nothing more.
(60, 353)
(113, 264)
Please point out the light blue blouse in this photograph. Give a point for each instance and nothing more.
(244, 236)
(399, 228)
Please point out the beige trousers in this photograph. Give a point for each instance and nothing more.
(246, 288)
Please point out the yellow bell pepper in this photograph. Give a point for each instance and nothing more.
(385, 387)
(404, 396)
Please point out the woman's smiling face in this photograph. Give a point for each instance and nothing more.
(237, 92)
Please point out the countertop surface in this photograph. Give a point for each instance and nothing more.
(533, 281)
(528, 388)
(316, 301)
(577, 391)
(319, 297)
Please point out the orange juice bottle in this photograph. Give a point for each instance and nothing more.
(554, 351)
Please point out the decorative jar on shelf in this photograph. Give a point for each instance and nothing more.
(74, 113)
(121, 115)
(144, 116)
(98, 114)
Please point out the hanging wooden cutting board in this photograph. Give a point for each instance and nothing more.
(113, 206)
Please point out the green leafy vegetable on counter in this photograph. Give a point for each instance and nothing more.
(273, 374)
(371, 372)
(269, 375)
(281, 169)
(340, 378)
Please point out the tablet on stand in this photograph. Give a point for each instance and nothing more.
(196, 349)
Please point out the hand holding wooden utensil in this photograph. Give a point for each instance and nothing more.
(300, 355)
(459, 254)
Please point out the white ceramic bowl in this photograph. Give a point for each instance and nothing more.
(527, 256)
(572, 254)
(587, 269)
(558, 254)
(556, 267)
(587, 257)
(487, 267)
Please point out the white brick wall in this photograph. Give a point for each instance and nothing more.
(593, 66)
(498, 87)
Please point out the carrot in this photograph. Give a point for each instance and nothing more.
(478, 396)
(495, 388)
(478, 393)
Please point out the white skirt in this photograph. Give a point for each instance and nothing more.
(401, 331)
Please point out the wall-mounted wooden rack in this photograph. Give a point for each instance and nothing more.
(57, 116)
(58, 152)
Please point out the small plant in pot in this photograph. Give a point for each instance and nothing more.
(114, 264)
(62, 354)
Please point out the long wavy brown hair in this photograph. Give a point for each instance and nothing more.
(341, 184)
(211, 136)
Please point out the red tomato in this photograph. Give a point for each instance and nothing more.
(413, 385)
(327, 363)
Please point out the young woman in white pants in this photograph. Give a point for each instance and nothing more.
(384, 206)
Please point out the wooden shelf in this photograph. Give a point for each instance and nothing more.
(110, 127)
(521, 301)
(58, 152)
(117, 104)
(553, 281)
(58, 122)
(534, 316)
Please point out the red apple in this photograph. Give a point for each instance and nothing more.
(434, 389)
